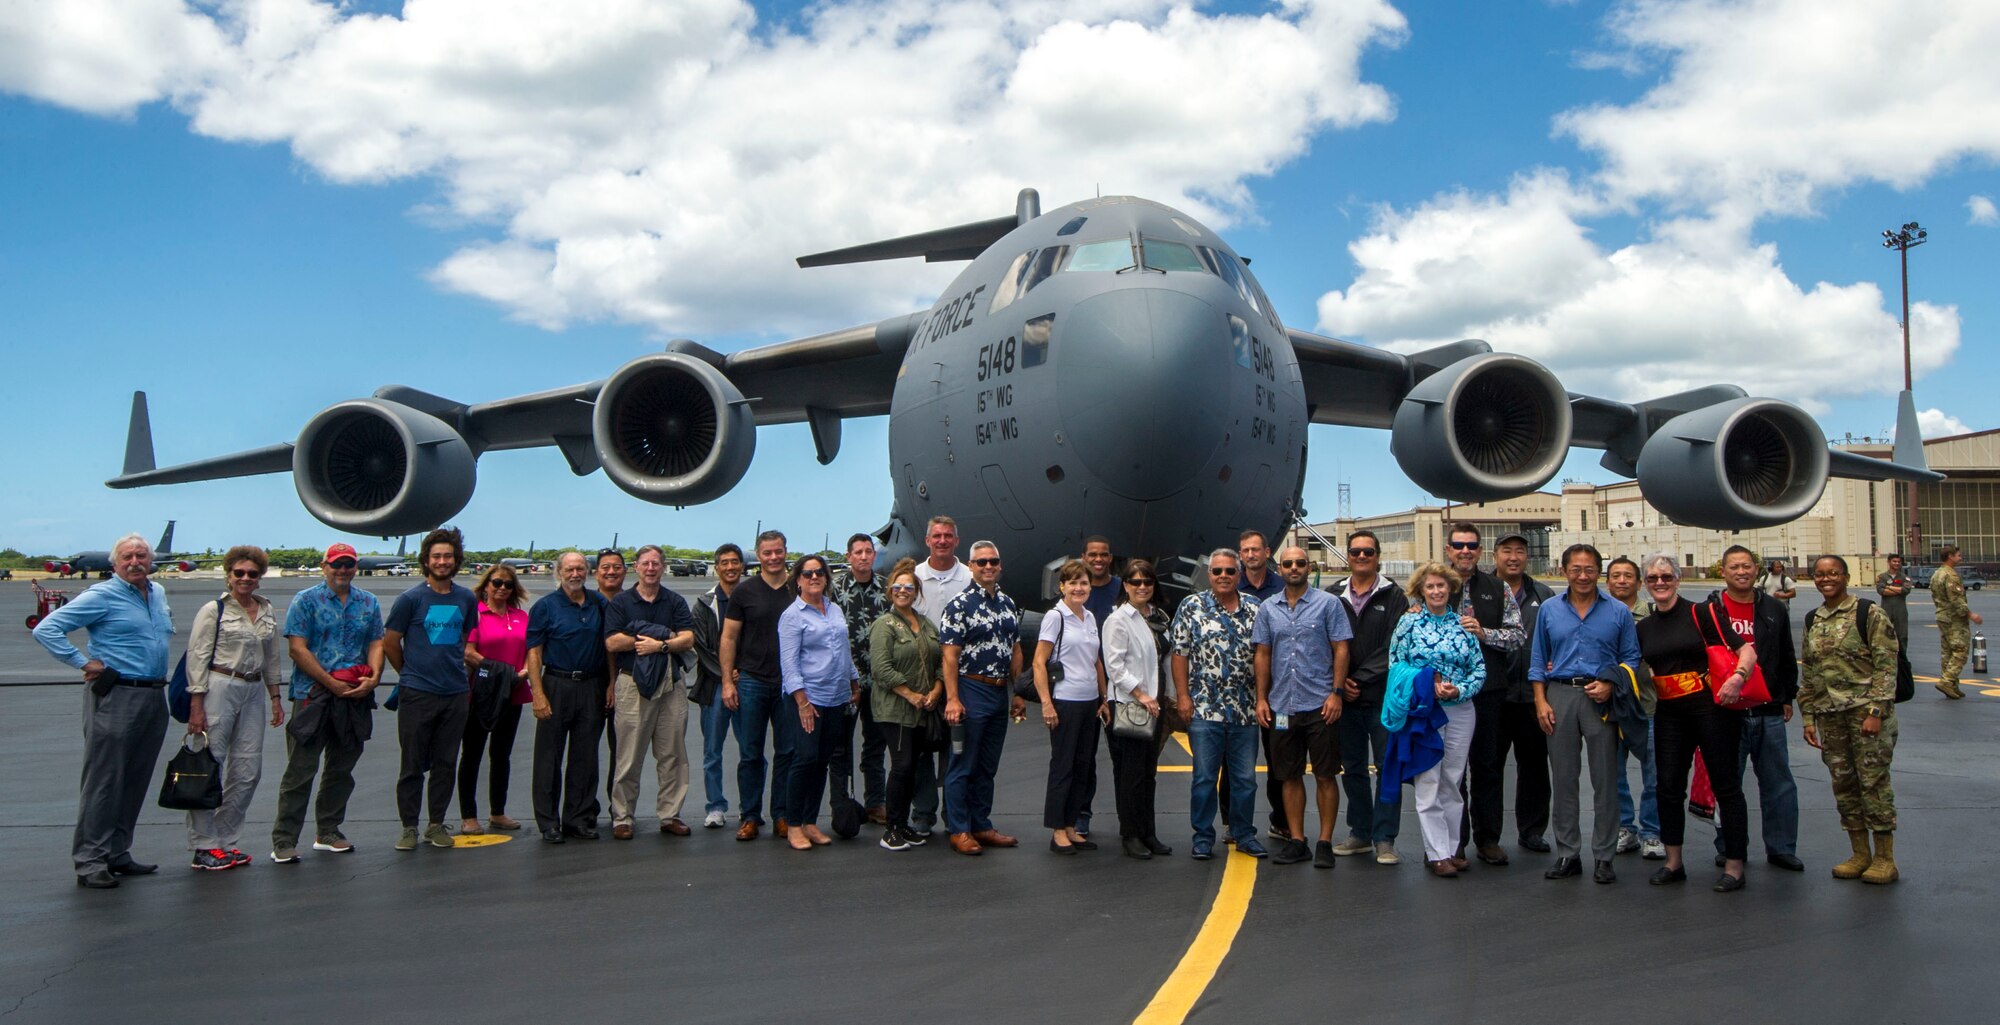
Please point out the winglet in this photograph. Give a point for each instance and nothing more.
(1909, 449)
(139, 438)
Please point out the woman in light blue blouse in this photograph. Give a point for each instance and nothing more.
(1430, 637)
(817, 668)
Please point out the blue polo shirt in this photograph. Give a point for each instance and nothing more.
(1567, 646)
(570, 634)
(337, 632)
(433, 626)
(129, 629)
(1301, 639)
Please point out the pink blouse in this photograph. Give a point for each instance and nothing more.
(504, 638)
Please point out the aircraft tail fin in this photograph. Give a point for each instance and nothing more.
(166, 544)
(960, 242)
(139, 437)
(1909, 450)
(403, 546)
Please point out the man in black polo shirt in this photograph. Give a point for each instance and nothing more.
(750, 681)
(653, 713)
(566, 661)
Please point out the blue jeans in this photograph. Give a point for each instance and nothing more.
(975, 757)
(1361, 731)
(715, 722)
(1647, 823)
(1218, 746)
(1777, 793)
(756, 704)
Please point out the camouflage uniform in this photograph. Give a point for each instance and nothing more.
(1954, 624)
(1842, 678)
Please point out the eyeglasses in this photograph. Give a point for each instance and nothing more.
(1660, 578)
(1222, 571)
(902, 588)
(246, 574)
(986, 562)
(812, 572)
(508, 584)
(1294, 563)
(342, 564)
(1140, 582)
(1360, 553)
(1464, 546)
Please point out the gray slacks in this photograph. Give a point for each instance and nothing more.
(122, 733)
(1583, 736)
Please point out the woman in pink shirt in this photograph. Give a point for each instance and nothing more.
(501, 635)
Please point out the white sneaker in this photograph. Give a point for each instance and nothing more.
(1385, 854)
(1352, 845)
(1652, 849)
(1628, 841)
(714, 820)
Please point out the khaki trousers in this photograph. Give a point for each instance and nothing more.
(659, 723)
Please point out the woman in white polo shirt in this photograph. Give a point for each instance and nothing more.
(1072, 707)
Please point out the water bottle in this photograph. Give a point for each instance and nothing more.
(1979, 652)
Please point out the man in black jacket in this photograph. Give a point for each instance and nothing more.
(1374, 604)
(716, 718)
(1507, 721)
(1766, 622)
(1487, 610)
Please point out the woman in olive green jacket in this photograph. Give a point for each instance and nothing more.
(905, 661)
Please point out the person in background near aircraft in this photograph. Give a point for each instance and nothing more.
(1849, 702)
(1215, 676)
(1766, 622)
(944, 577)
(565, 671)
(1638, 825)
(716, 717)
(1489, 612)
(1374, 606)
(233, 662)
(820, 682)
(750, 682)
(649, 620)
(1433, 638)
(424, 639)
(1776, 583)
(501, 634)
(1105, 592)
(1301, 637)
(609, 571)
(1893, 586)
(907, 662)
(981, 637)
(859, 592)
(1259, 581)
(1132, 673)
(334, 631)
(1580, 638)
(1954, 620)
(1073, 705)
(124, 720)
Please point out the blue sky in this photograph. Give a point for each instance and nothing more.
(243, 225)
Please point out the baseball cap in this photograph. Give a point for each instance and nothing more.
(1523, 538)
(340, 551)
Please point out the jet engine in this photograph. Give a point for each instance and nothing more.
(1486, 427)
(673, 430)
(1735, 465)
(373, 466)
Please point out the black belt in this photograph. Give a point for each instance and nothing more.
(1575, 681)
(573, 674)
(1763, 711)
(126, 681)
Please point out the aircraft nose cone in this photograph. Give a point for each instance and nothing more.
(1142, 387)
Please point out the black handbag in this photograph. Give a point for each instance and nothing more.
(194, 778)
(1024, 685)
(933, 733)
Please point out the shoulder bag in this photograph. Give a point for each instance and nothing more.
(1024, 687)
(1722, 664)
(194, 777)
(180, 703)
(1129, 719)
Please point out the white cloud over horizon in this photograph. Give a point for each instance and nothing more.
(1981, 211)
(1936, 423)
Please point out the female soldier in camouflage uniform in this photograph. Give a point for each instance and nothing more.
(1847, 692)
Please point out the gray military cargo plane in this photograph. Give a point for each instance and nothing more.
(1110, 367)
(98, 561)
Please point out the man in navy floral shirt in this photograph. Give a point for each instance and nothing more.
(981, 635)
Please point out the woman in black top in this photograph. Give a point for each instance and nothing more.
(1674, 641)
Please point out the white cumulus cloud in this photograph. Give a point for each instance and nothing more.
(1980, 210)
(1936, 423)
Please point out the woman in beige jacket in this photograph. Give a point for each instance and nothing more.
(234, 671)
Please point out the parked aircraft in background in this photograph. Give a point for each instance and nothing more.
(393, 565)
(84, 564)
(1110, 367)
(529, 564)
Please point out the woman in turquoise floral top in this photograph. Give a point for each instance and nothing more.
(1430, 637)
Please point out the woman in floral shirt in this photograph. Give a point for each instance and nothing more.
(1430, 637)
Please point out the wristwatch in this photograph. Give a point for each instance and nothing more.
(1874, 712)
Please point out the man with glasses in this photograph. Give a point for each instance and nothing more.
(424, 639)
(1579, 639)
(944, 577)
(566, 671)
(1488, 611)
(649, 620)
(1505, 710)
(980, 633)
(750, 680)
(1375, 604)
(716, 717)
(1215, 678)
(859, 593)
(1765, 621)
(334, 631)
(1301, 636)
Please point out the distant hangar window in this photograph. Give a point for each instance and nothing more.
(1169, 256)
(1112, 254)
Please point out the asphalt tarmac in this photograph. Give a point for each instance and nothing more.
(707, 929)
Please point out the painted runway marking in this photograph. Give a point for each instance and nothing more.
(478, 840)
(1190, 978)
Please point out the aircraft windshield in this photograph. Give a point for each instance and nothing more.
(1169, 256)
(1229, 269)
(1028, 270)
(1112, 254)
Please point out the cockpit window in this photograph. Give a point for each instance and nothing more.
(1074, 225)
(1112, 254)
(1191, 230)
(1229, 269)
(1028, 270)
(1169, 256)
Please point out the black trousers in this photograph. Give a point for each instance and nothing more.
(901, 745)
(1072, 751)
(565, 774)
(430, 728)
(499, 746)
(840, 778)
(1680, 726)
(1135, 764)
(1504, 726)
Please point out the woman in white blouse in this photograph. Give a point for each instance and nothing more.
(1072, 706)
(1132, 674)
(233, 671)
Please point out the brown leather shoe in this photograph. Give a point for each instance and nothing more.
(995, 838)
(780, 830)
(674, 827)
(747, 831)
(1458, 862)
(878, 815)
(621, 832)
(1443, 869)
(963, 843)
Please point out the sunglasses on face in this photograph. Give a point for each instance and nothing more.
(986, 562)
(1139, 582)
(1360, 553)
(508, 584)
(1659, 578)
(1294, 564)
(246, 574)
(1222, 571)
(812, 572)
(1464, 546)
(343, 564)
(902, 588)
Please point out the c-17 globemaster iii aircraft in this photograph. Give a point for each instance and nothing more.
(1110, 367)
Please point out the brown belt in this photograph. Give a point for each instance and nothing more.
(994, 681)
(226, 671)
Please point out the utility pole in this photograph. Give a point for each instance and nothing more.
(1902, 240)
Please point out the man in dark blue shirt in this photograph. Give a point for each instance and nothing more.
(566, 660)
(647, 621)
(424, 639)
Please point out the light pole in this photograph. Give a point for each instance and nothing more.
(1902, 240)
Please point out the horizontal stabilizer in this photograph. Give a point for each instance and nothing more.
(269, 459)
(1855, 466)
(962, 242)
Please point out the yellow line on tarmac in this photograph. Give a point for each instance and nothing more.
(1190, 978)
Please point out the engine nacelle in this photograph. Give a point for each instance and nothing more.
(673, 430)
(1735, 465)
(372, 466)
(1487, 427)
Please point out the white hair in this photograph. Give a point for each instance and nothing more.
(131, 539)
(1230, 552)
(988, 545)
(1661, 558)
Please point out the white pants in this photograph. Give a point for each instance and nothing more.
(238, 714)
(658, 722)
(1440, 805)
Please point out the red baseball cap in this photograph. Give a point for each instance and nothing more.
(340, 551)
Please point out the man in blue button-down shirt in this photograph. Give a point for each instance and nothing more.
(124, 718)
(1301, 637)
(1579, 638)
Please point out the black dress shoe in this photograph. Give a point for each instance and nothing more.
(1135, 848)
(1061, 848)
(102, 879)
(1603, 873)
(1534, 843)
(1788, 862)
(1667, 876)
(1084, 845)
(552, 836)
(1563, 869)
(133, 868)
(581, 832)
(1728, 883)
(1159, 849)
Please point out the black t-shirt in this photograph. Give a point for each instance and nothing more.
(630, 609)
(1671, 642)
(757, 606)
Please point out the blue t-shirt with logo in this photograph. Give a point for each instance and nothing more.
(433, 627)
